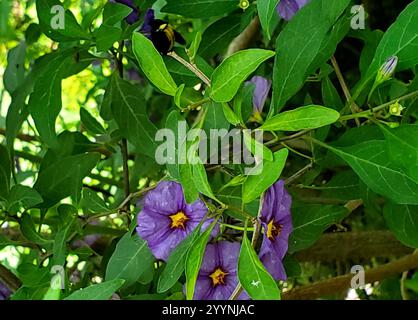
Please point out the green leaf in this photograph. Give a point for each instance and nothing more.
(130, 260)
(308, 117)
(230, 115)
(330, 95)
(255, 185)
(60, 243)
(5, 172)
(310, 221)
(254, 146)
(216, 37)
(194, 260)
(92, 202)
(191, 193)
(106, 36)
(63, 178)
(69, 31)
(176, 263)
(200, 180)
(114, 13)
(402, 220)
(232, 72)
(253, 276)
(130, 113)
(194, 47)
(28, 230)
(173, 123)
(90, 123)
(177, 96)
(101, 291)
(22, 196)
(197, 8)
(152, 64)
(403, 147)
(15, 71)
(267, 12)
(371, 162)
(399, 40)
(299, 44)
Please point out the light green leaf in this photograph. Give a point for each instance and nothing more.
(253, 276)
(232, 72)
(308, 117)
(101, 291)
(255, 185)
(152, 64)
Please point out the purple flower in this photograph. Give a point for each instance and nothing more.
(388, 68)
(166, 219)
(146, 28)
(217, 277)
(261, 92)
(4, 292)
(276, 220)
(134, 15)
(288, 8)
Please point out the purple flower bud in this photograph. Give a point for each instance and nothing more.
(276, 220)
(388, 68)
(146, 28)
(288, 8)
(166, 219)
(217, 277)
(261, 92)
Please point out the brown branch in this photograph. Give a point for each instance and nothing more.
(243, 40)
(349, 246)
(9, 279)
(342, 283)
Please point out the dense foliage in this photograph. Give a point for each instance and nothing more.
(222, 149)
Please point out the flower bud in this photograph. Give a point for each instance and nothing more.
(387, 69)
(244, 4)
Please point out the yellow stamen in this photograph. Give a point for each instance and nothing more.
(273, 229)
(218, 277)
(178, 220)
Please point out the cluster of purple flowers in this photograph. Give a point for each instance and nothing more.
(134, 15)
(166, 219)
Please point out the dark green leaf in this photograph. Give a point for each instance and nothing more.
(101, 291)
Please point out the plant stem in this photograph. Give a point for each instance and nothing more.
(192, 67)
(368, 113)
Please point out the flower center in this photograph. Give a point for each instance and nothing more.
(273, 229)
(218, 277)
(178, 220)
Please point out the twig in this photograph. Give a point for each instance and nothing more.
(343, 283)
(298, 174)
(9, 279)
(243, 40)
(192, 67)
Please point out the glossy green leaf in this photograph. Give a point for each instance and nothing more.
(114, 13)
(270, 172)
(253, 276)
(101, 291)
(129, 260)
(152, 64)
(15, 71)
(233, 71)
(308, 117)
